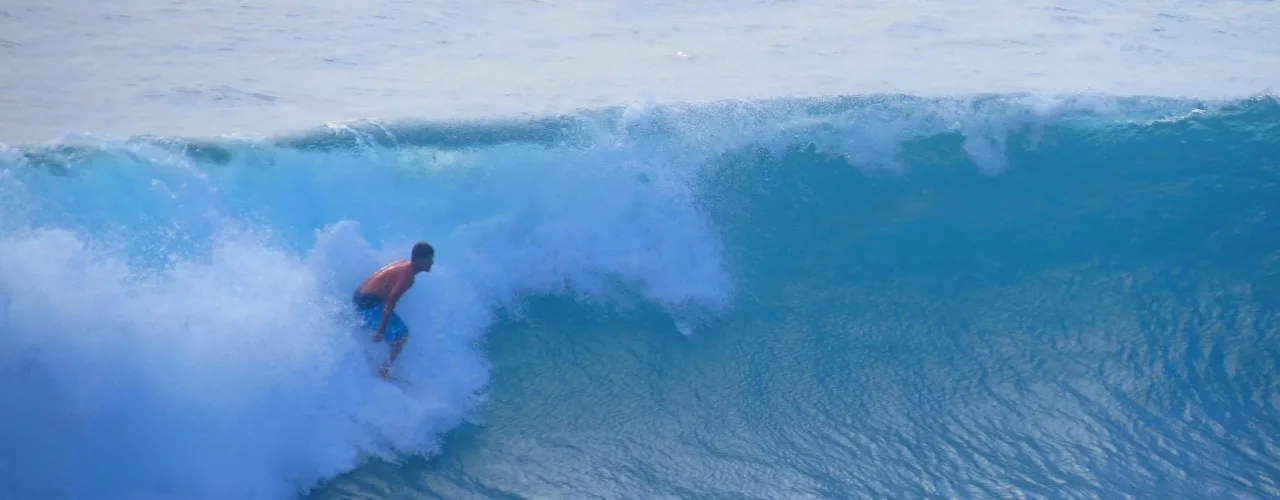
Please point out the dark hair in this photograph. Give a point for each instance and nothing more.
(421, 250)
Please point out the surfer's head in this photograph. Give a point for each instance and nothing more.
(423, 257)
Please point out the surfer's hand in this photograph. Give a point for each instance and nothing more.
(377, 337)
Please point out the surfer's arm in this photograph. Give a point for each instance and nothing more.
(393, 298)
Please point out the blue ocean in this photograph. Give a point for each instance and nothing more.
(650, 290)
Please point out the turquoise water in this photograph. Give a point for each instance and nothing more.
(862, 297)
(709, 250)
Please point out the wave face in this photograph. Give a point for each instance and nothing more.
(873, 296)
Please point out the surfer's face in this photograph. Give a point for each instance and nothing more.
(424, 264)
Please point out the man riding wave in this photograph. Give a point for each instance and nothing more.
(376, 298)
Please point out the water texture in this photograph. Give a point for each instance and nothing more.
(862, 297)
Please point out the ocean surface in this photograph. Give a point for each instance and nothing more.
(690, 250)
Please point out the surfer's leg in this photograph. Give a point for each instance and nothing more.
(396, 347)
(370, 318)
(396, 334)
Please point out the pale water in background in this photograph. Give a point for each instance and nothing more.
(685, 249)
(202, 68)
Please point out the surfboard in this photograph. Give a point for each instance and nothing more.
(396, 381)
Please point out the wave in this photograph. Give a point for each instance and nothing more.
(173, 312)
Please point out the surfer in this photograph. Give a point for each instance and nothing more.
(376, 299)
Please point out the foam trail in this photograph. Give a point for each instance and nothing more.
(178, 329)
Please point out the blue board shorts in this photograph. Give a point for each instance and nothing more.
(370, 309)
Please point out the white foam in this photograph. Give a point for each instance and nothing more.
(869, 131)
(177, 330)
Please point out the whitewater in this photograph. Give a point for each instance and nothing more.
(720, 250)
